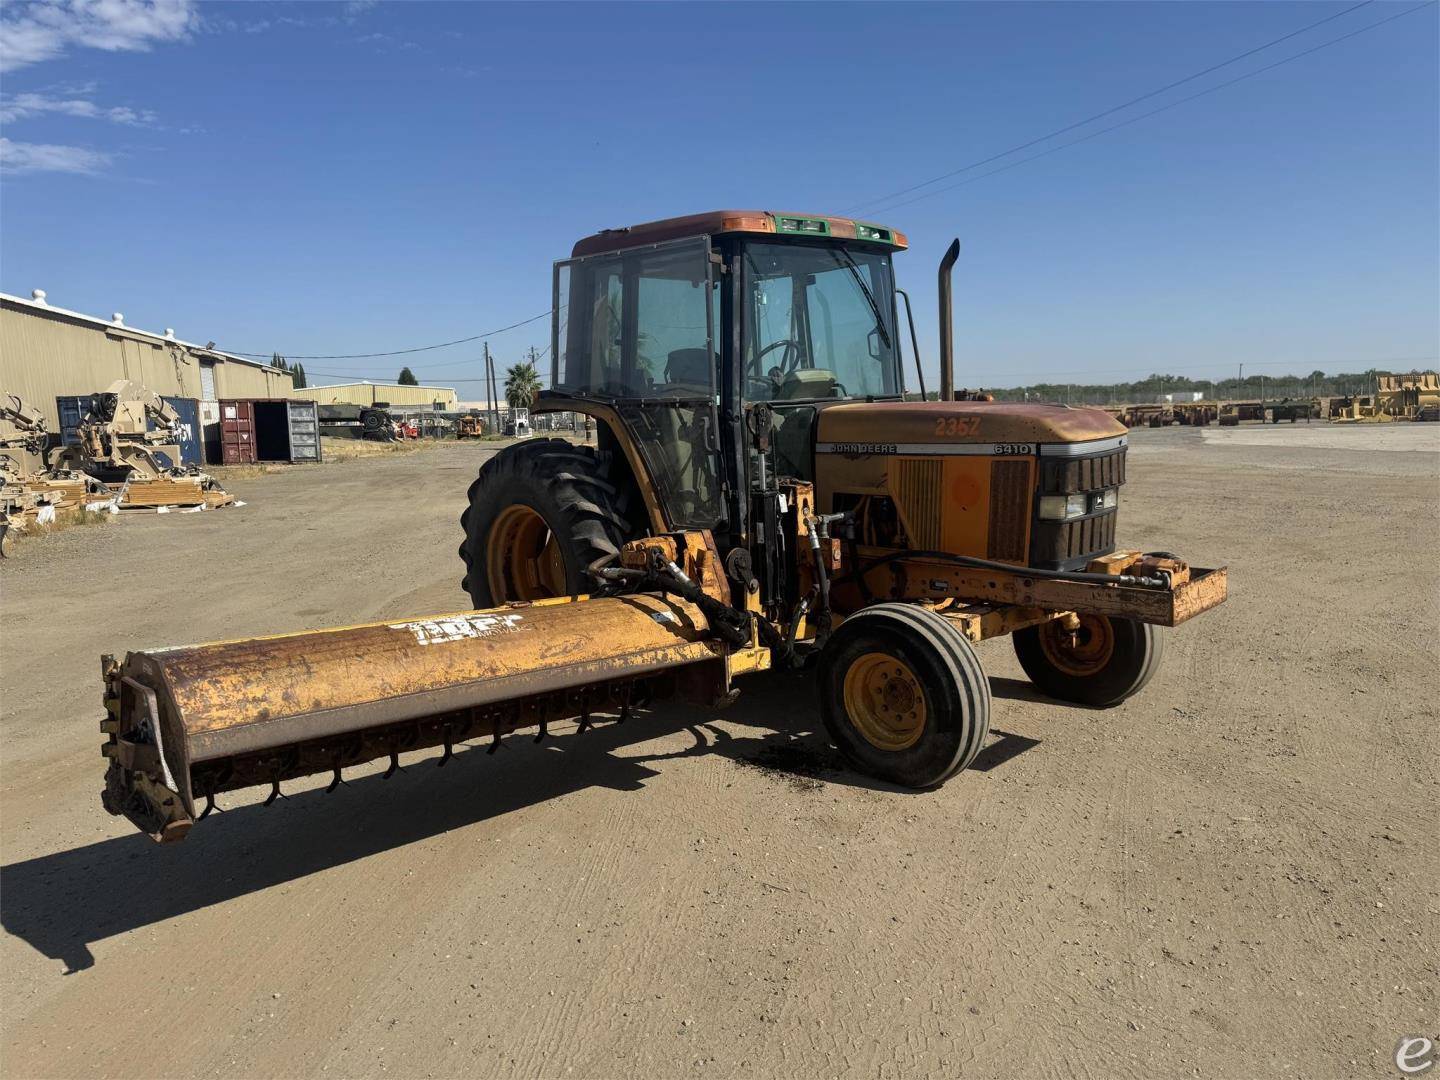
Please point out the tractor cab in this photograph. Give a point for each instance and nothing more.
(671, 332)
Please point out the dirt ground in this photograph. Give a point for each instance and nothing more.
(1233, 874)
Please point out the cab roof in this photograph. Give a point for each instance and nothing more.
(714, 222)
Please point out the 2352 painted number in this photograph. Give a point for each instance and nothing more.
(957, 426)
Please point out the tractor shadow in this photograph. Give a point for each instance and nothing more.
(63, 902)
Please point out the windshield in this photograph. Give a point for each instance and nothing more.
(818, 323)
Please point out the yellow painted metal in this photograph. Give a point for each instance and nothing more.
(979, 622)
(306, 685)
(948, 423)
(196, 720)
(884, 701)
(965, 506)
(274, 696)
(522, 557)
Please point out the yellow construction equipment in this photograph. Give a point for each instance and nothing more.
(764, 493)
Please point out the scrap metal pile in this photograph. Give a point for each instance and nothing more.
(124, 458)
(128, 441)
(31, 490)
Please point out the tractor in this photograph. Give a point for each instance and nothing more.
(766, 491)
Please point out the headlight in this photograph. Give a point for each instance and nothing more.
(1061, 507)
(1065, 507)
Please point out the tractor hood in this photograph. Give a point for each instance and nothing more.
(949, 422)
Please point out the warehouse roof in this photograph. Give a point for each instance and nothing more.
(41, 306)
(370, 382)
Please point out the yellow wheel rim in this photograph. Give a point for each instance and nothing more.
(1081, 652)
(522, 557)
(885, 702)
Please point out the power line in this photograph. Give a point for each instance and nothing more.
(1102, 115)
(397, 352)
(944, 176)
(1162, 108)
(454, 363)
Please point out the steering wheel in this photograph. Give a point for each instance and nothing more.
(789, 361)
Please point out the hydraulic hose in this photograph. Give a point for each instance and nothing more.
(664, 575)
(823, 619)
(972, 563)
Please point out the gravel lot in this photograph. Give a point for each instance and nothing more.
(1233, 874)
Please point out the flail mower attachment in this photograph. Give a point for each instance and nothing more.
(186, 724)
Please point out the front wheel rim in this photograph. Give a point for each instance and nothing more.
(884, 701)
(1082, 652)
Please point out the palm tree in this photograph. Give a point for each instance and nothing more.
(522, 384)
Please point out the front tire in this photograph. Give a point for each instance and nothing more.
(903, 696)
(1101, 664)
(540, 515)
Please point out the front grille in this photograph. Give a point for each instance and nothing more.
(1066, 476)
(1009, 510)
(916, 489)
(1069, 545)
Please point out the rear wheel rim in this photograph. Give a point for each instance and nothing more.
(1081, 652)
(522, 557)
(884, 701)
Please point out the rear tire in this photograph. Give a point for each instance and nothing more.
(540, 515)
(1111, 659)
(903, 696)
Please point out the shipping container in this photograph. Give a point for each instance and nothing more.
(269, 429)
(187, 431)
(237, 432)
(304, 430)
(210, 431)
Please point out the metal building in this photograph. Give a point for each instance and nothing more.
(47, 352)
(372, 393)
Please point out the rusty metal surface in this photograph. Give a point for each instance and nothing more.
(981, 621)
(937, 582)
(185, 724)
(948, 423)
(273, 690)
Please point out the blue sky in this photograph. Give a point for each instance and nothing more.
(345, 178)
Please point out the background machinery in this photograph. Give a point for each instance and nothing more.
(127, 440)
(763, 494)
(30, 490)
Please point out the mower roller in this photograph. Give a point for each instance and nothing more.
(763, 494)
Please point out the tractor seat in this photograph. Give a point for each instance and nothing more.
(807, 383)
(690, 369)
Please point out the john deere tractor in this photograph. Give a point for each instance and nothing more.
(765, 490)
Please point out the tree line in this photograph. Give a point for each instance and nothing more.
(296, 370)
(1154, 387)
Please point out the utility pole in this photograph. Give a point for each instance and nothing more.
(490, 390)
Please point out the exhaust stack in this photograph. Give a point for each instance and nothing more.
(947, 326)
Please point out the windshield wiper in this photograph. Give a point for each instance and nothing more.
(853, 267)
